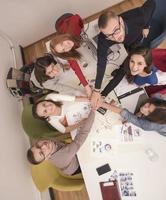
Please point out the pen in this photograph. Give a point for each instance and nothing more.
(130, 92)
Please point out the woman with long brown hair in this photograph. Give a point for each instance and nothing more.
(141, 70)
(64, 46)
(151, 115)
(48, 74)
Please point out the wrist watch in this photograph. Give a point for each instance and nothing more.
(97, 90)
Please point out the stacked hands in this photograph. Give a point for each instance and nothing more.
(97, 101)
(64, 112)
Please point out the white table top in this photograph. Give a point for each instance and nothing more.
(125, 156)
(130, 156)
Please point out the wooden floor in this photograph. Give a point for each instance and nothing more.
(80, 195)
(38, 48)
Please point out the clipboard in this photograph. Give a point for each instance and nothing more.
(110, 190)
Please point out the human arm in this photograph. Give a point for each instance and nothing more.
(76, 68)
(81, 99)
(84, 130)
(138, 121)
(145, 32)
(67, 155)
(101, 67)
(96, 99)
(147, 10)
(143, 123)
(114, 82)
(88, 90)
(72, 148)
(54, 85)
(70, 128)
(60, 97)
(96, 96)
(114, 108)
(57, 124)
(102, 48)
(74, 65)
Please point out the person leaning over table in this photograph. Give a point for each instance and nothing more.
(48, 74)
(64, 112)
(65, 46)
(62, 155)
(151, 116)
(139, 68)
(128, 28)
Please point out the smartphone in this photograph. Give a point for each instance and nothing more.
(102, 110)
(103, 169)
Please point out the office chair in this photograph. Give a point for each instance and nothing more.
(158, 24)
(159, 60)
(46, 175)
(35, 128)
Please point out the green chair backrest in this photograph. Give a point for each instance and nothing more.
(35, 128)
(46, 175)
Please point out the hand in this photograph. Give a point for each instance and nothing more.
(82, 98)
(65, 66)
(139, 114)
(96, 100)
(82, 122)
(88, 91)
(145, 32)
(113, 102)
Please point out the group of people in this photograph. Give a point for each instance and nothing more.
(131, 28)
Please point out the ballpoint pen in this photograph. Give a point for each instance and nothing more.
(130, 92)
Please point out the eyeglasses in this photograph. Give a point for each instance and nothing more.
(116, 31)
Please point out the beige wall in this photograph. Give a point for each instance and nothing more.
(15, 178)
(31, 20)
(26, 22)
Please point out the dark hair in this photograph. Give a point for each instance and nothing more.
(105, 17)
(146, 53)
(73, 53)
(34, 108)
(40, 66)
(31, 158)
(159, 114)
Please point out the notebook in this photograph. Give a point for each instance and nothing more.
(110, 190)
